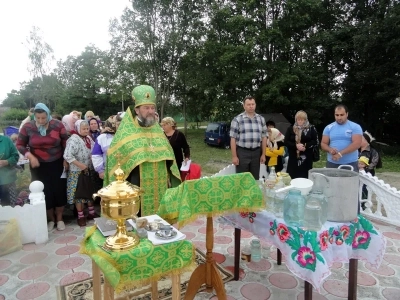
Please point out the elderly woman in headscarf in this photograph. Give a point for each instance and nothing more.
(43, 141)
(300, 140)
(370, 152)
(275, 149)
(94, 128)
(78, 155)
(69, 121)
(102, 143)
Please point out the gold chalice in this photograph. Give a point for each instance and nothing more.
(120, 200)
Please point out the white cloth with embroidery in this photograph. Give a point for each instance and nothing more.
(309, 255)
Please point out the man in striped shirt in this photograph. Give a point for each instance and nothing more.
(248, 133)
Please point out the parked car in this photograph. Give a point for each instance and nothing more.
(217, 133)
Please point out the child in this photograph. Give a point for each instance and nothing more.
(275, 149)
(363, 163)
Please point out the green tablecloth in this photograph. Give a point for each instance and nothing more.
(211, 196)
(141, 265)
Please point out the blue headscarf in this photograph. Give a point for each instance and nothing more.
(41, 128)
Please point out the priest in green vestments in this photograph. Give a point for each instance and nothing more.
(143, 151)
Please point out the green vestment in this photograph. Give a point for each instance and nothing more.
(148, 148)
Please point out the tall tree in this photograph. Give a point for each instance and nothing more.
(39, 52)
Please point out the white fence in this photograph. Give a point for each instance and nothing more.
(383, 201)
(31, 217)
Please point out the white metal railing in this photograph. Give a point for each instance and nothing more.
(383, 201)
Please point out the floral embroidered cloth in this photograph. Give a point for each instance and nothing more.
(211, 196)
(141, 265)
(309, 254)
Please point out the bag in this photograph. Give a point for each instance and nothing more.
(85, 187)
(10, 236)
(315, 154)
(315, 150)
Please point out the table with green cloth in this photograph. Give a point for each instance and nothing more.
(141, 265)
(211, 196)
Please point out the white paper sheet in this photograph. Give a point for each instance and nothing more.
(186, 166)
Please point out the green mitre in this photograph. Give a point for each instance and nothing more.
(143, 94)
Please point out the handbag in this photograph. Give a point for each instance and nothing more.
(315, 150)
(85, 187)
(315, 153)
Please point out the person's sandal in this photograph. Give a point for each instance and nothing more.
(50, 226)
(82, 222)
(60, 225)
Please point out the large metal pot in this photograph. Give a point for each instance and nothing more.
(342, 193)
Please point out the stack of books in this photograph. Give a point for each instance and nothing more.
(109, 227)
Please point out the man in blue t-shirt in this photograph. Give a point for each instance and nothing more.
(342, 139)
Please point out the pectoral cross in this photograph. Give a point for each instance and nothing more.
(118, 156)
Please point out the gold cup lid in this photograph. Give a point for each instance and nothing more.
(120, 188)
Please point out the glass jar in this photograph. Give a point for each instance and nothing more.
(278, 204)
(269, 199)
(255, 249)
(315, 211)
(293, 208)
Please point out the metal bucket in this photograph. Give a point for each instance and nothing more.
(342, 193)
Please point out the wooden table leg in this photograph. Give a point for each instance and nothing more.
(237, 255)
(96, 281)
(108, 290)
(307, 290)
(207, 273)
(154, 290)
(176, 287)
(279, 256)
(353, 269)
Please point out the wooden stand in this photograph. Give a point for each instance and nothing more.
(207, 273)
(108, 290)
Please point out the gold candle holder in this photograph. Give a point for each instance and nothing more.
(120, 200)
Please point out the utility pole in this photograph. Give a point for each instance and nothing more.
(122, 102)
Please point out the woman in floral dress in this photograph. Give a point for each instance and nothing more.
(78, 155)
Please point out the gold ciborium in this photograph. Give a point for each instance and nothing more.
(120, 200)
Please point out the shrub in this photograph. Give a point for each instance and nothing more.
(14, 114)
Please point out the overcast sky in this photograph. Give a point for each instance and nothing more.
(67, 26)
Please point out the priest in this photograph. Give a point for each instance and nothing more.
(143, 151)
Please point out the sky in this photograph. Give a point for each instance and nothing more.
(67, 26)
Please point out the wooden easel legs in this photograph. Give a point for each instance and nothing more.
(207, 273)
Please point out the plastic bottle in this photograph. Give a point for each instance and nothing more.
(255, 248)
(272, 174)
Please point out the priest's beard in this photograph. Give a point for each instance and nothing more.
(148, 121)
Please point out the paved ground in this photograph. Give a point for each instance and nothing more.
(35, 271)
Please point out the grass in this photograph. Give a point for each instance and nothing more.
(213, 159)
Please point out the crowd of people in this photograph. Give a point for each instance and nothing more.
(64, 152)
(151, 154)
(255, 141)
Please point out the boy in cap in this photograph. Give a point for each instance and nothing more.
(363, 163)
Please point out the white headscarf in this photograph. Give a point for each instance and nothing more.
(274, 137)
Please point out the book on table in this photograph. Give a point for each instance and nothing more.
(109, 227)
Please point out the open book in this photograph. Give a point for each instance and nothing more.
(109, 227)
